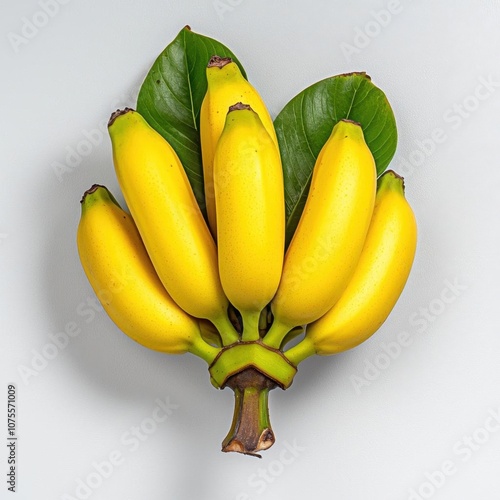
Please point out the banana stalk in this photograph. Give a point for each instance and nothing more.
(251, 430)
(251, 370)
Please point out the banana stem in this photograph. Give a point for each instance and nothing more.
(204, 351)
(251, 322)
(226, 330)
(251, 429)
(301, 351)
(274, 337)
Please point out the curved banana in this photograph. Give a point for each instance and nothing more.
(226, 86)
(162, 203)
(125, 282)
(331, 232)
(378, 281)
(249, 196)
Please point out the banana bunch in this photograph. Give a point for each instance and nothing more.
(225, 289)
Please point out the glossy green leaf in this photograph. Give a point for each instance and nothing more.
(305, 123)
(171, 95)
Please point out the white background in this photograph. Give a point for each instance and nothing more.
(362, 425)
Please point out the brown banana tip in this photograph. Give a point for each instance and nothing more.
(395, 174)
(351, 121)
(91, 190)
(118, 113)
(218, 62)
(187, 27)
(239, 106)
(356, 73)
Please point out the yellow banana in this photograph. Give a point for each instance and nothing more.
(226, 86)
(378, 281)
(124, 280)
(249, 196)
(331, 232)
(162, 203)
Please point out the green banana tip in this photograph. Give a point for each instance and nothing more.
(118, 113)
(218, 62)
(392, 181)
(391, 178)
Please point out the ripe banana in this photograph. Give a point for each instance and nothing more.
(124, 280)
(378, 281)
(226, 86)
(162, 203)
(249, 197)
(331, 232)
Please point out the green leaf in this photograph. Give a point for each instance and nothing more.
(305, 123)
(171, 95)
